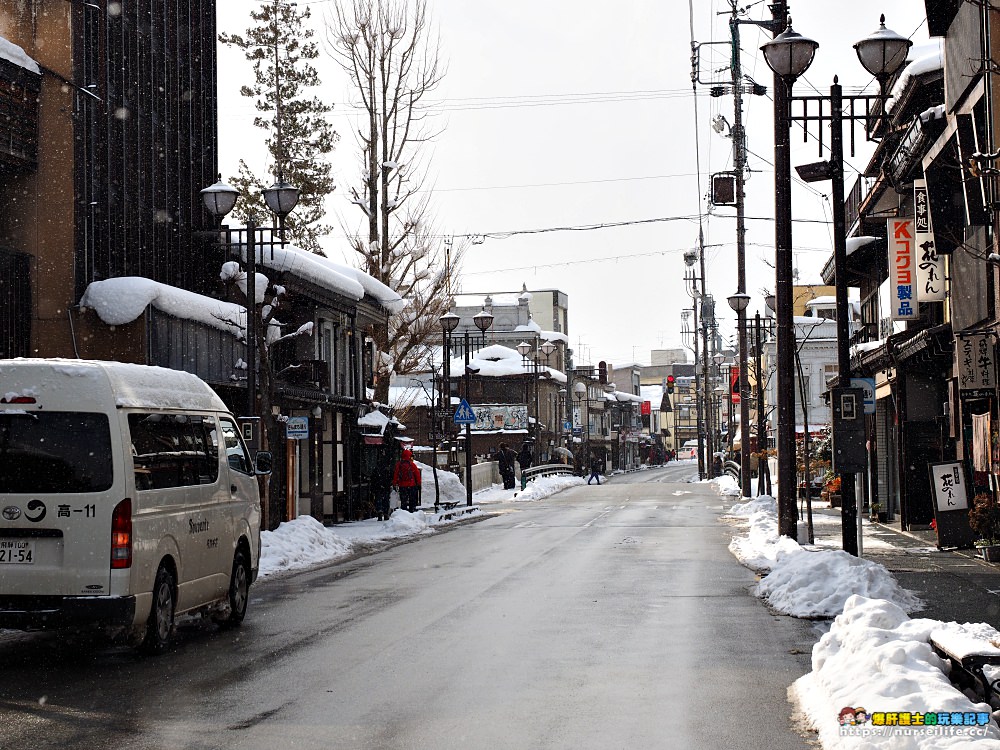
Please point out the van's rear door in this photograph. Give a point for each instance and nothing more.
(58, 490)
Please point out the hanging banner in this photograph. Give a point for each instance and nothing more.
(491, 417)
(902, 270)
(975, 363)
(734, 384)
(930, 265)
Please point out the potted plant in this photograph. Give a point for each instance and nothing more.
(984, 518)
(874, 511)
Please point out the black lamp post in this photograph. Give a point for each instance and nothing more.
(449, 322)
(789, 55)
(219, 200)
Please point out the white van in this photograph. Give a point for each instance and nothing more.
(127, 496)
(688, 450)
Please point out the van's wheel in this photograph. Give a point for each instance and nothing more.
(239, 590)
(160, 625)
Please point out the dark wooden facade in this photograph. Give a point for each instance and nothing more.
(146, 142)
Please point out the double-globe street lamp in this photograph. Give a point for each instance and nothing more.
(449, 322)
(789, 55)
(524, 349)
(281, 198)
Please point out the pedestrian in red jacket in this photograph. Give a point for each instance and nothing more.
(406, 478)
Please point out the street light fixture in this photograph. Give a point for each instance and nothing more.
(789, 56)
(449, 322)
(220, 199)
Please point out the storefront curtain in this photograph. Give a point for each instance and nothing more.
(981, 442)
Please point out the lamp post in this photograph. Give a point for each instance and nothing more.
(219, 199)
(579, 392)
(449, 322)
(696, 295)
(789, 56)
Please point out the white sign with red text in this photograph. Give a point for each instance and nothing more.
(902, 269)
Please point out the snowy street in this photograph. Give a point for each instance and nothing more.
(610, 616)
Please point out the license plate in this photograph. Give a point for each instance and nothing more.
(17, 552)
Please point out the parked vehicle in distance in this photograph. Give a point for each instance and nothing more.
(127, 497)
(688, 450)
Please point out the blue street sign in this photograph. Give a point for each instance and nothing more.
(567, 426)
(868, 384)
(464, 413)
(297, 428)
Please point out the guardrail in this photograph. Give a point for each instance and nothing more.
(546, 470)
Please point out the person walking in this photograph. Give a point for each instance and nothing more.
(406, 478)
(596, 468)
(505, 462)
(382, 486)
(524, 458)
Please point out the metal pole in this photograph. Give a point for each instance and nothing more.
(761, 421)
(251, 296)
(739, 166)
(697, 398)
(848, 494)
(787, 513)
(468, 427)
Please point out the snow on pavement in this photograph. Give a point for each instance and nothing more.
(304, 542)
(875, 680)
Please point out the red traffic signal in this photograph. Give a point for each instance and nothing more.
(670, 383)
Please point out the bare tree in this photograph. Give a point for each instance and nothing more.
(392, 62)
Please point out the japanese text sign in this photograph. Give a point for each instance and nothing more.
(930, 265)
(948, 485)
(975, 361)
(902, 270)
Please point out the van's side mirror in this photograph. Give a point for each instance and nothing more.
(264, 462)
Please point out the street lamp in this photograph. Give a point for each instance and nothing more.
(281, 198)
(579, 392)
(789, 55)
(449, 322)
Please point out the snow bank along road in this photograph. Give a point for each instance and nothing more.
(609, 616)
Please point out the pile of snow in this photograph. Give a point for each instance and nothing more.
(450, 486)
(807, 582)
(876, 659)
(543, 487)
(818, 583)
(728, 487)
(299, 544)
(762, 545)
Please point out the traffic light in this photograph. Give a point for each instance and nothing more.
(602, 372)
(670, 383)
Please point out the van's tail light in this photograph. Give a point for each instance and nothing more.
(121, 535)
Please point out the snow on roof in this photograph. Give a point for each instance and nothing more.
(497, 361)
(403, 397)
(350, 282)
(555, 336)
(853, 243)
(531, 326)
(824, 300)
(12, 53)
(121, 300)
(922, 58)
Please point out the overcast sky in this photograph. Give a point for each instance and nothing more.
(574, 113)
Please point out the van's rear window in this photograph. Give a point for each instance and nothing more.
(55, 452)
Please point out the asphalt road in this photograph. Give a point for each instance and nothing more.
(604, 617)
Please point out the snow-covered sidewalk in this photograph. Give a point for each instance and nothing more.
(876, 682)
(305, 542)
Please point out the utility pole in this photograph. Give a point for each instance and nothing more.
(739, 164)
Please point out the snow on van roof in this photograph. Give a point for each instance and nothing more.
(134, 386)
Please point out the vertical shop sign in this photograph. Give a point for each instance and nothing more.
(975, 362)
(930, 265)
(902, 270)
